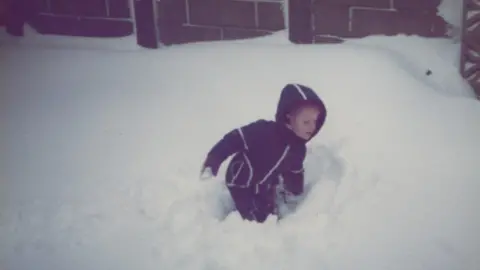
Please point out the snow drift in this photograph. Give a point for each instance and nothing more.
(101, 152)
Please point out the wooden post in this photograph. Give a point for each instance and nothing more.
(462, 35)
(145, 23)
(470, 61)
(300, 21)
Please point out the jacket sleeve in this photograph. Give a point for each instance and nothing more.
(293, 180)
(234, 141)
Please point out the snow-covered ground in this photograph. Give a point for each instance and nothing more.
(102, 143)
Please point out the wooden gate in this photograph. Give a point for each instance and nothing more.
(470, 55)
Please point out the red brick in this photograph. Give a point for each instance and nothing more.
(270, 16)
(331, 19)
(71, 26)
(104, 28)
(51, 24)
(172, 16)
(416, 4)
(435, 26)
(118, 9)
(376, 22)
(43, 6)
(366, 22)
(172, 12)
(88, 8)
(327, 40)
(187, 34)
(358, 3)
(62, 7)
(440, 26)
(236, 33)
(222, 13)
(3, 12)
(91, 8)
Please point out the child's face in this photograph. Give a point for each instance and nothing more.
(303, 122)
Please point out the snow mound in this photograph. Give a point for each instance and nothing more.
(102, 150)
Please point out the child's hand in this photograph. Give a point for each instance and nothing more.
(206, 174)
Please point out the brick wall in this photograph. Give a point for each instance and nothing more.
(3, 10)
(182, 21)
(316, 20)
(206, 20)
(92, 18)
(336, 19)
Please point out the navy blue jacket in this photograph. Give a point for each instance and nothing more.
(266, 151)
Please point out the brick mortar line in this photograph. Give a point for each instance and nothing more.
(49, 5)
(350, 19)
(227, 27)
(83, 17)
(259, 1)
(257, 17)
(351, 10)
(133, 18)
(187, 10)
(372, 8)
(202, 26)
(107, 7)
(329, 35)
(156, 26)
(222, 34)
(312, 23)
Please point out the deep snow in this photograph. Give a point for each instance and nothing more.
(101, 151)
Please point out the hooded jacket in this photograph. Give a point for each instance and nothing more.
(267, 151)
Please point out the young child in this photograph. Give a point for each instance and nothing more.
(266, 151)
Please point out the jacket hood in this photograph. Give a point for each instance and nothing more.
(294, 95)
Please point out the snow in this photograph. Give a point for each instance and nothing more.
(102, 144)
(452, 12)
